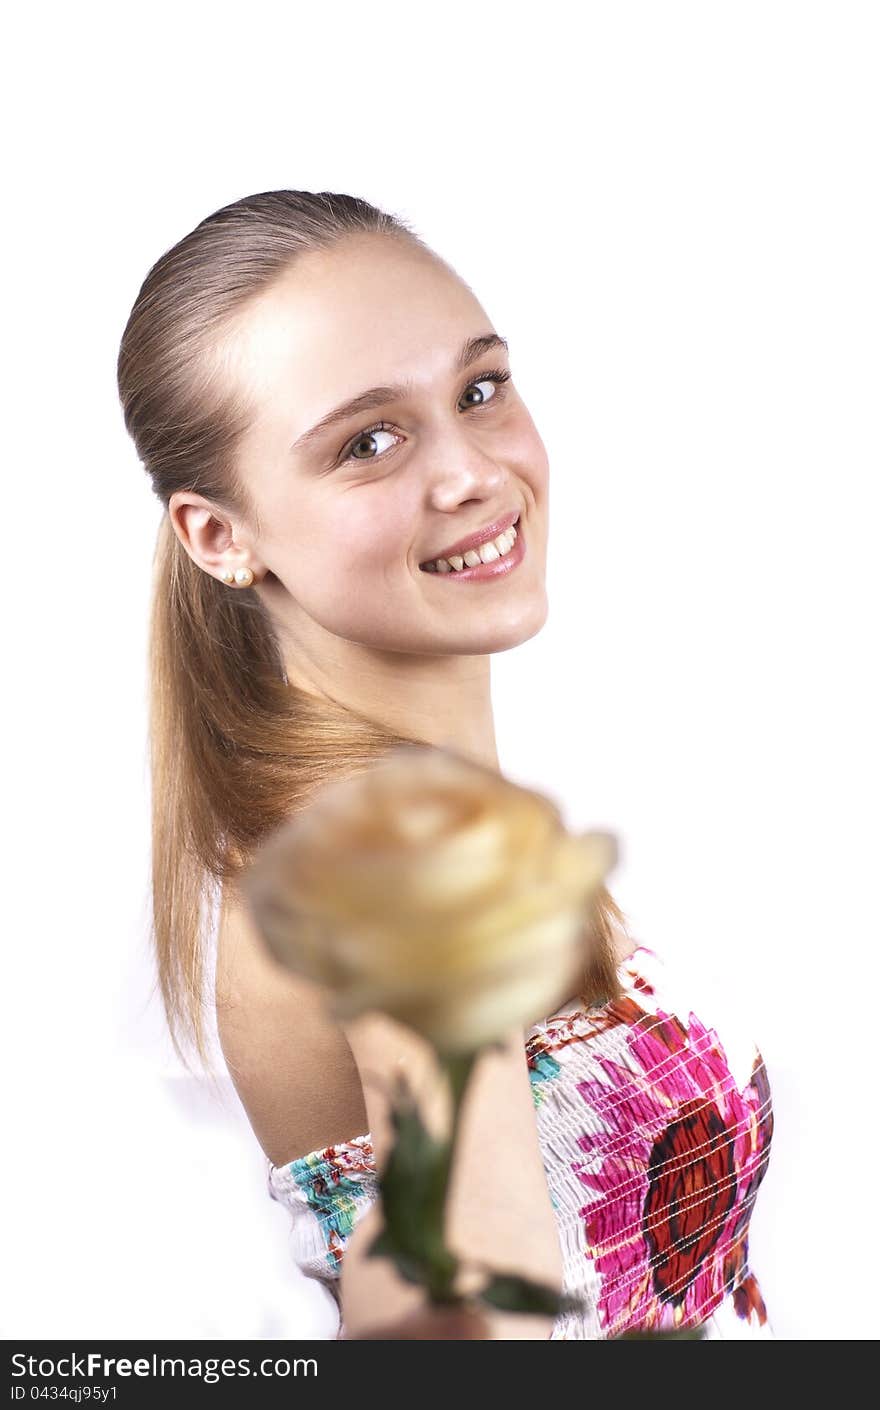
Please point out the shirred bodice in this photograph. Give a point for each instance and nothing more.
(655, 1133)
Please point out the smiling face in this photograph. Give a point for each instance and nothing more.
(349, 511)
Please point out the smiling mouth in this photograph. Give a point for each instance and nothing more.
(496, 550)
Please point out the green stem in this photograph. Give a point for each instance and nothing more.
(458, 1068)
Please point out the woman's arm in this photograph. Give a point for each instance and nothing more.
(289, 1061)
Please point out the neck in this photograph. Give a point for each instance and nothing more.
(443, 700)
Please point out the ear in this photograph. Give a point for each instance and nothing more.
(212, 538)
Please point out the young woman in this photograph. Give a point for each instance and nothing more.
(356, 519)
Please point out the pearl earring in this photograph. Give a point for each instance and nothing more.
(243, 576)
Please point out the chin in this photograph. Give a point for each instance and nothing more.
(527, 625)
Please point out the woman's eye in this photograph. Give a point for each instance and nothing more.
(368, 442)
(481, 397)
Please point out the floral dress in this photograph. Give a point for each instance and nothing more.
(655, 1134)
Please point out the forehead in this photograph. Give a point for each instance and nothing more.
(372, 309)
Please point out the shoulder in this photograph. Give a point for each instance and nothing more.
(289, 1060)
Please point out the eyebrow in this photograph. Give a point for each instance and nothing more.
(470, 350)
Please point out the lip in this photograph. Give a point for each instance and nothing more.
(491, 531)
(498, 568)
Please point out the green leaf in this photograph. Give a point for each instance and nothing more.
(511, 1293)
(384, 1246)
(412, 1189)
(569, 1303)
(413, 1185)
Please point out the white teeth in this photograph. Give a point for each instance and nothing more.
(486, 553)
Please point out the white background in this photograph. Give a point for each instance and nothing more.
(671, 212)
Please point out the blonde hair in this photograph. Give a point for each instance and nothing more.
(235, 749)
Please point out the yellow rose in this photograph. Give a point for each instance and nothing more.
(434, 890)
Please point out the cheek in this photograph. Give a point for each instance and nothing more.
(378, 527)
(367, 533)
(530, 456)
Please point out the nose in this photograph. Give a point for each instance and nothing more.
(461, 469)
